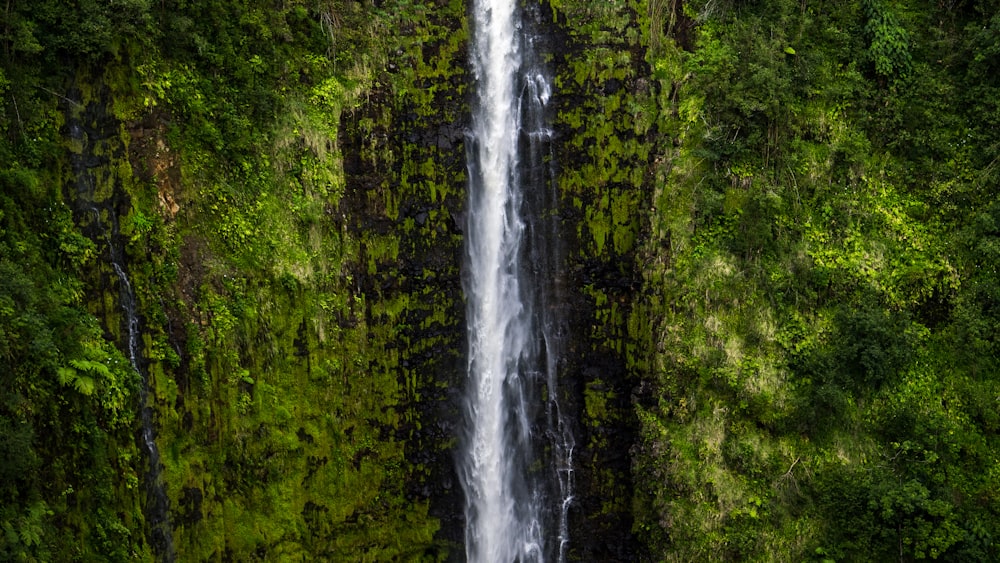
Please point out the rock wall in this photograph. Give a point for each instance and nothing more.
(287, 189)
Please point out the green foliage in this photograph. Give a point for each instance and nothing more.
(68, 395)
(815, 342)
(889, 41)
(816, 352)
(214, 135)
(278, 419)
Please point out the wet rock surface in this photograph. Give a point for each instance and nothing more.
(426, 276)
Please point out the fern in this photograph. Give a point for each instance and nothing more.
(91, 366)
(84, 385)
(66, 375)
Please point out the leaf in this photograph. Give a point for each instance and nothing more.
(31, 534)
(10, 534)
(91, 366)
(84, 385)
(789, 50)
(66, 375)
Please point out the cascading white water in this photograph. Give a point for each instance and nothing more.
(496, 530)
(511, 352)
(161, 535)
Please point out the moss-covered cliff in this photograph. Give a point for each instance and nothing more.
(206, 152)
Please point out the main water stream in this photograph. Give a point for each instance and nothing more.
(516, 463)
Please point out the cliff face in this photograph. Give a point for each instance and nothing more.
(283, 193)
(406, 178)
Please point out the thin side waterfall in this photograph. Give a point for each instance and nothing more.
(516, 461)
(84, 165)
(157, 509)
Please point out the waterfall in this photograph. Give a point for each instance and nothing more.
(516, 464)
(157, 508)
(83, 165)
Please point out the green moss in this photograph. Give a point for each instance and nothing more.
(596, 398)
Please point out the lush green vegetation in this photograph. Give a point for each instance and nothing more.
(71, 470)
(67, 458)
(825, 361)
(203, 139)
(782, 230)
